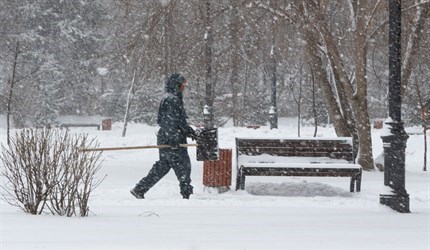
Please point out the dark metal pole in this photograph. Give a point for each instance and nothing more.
(425, 148)
(395, 93)
(395, 142)
(273, 112)
(208, 116)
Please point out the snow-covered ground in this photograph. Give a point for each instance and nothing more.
(273, 213)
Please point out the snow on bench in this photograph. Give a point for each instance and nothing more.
(332, 157)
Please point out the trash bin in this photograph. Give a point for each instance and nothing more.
(107, 124)
(217, 173)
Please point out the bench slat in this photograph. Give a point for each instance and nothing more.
(295, 143)
(349, 156)
(264, 171)
(327, 165)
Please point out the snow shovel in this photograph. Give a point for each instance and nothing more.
(207, 145)
(134, 147)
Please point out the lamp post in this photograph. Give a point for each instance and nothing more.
(273, 112)
(208, 117)
(395, 142)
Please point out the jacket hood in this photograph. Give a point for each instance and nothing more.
(172, 84)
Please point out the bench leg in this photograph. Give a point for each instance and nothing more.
(238, 180)
(358, 183)
(242, 182)
(352, 184)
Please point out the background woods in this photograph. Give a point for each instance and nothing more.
(82, 57)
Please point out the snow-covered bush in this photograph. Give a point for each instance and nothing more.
(45, 170)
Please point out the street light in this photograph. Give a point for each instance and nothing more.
(395, 142)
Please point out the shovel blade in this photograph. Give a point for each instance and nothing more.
(207, 145)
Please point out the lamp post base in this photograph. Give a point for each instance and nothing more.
(397, 202)
(394, 164)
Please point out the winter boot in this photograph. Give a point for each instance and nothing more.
(136, 193)
(186, 196)
(186, 190)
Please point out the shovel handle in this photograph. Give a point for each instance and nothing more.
(134, 147)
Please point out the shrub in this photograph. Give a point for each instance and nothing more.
(44, 169)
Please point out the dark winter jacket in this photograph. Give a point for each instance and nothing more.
(172, 117)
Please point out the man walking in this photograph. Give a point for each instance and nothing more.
(174, 130)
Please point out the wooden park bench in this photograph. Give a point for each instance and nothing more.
(75, 125)
(332, 157)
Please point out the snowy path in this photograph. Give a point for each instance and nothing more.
(273, 213)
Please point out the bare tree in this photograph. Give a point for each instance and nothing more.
(129, 100)
(418, 18)
(14, 79)
(11, 86)
(323, 80)
(296, 89)
(345, 94)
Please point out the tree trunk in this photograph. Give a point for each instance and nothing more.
(361, 114)
(235, 61)
(413, 42)
(321, 78)
(12, 82)
(314, 107)
(356, 116)
(129, 101)
(344, 88)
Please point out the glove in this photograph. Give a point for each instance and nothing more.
(192, 134)
(198, 133)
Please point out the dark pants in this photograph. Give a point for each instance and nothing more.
(179, 161)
